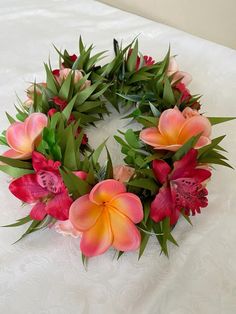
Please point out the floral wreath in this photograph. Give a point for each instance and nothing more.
(167, 162)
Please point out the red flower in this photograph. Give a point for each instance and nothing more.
(185, 94)
(51, 112)
(182, 188)
(56, 72)
(59, 102)
(44, 188)
(73, 57)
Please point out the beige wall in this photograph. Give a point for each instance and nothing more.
(211, 19)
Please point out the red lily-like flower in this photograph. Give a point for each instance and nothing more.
(44, 188)
(182, 189)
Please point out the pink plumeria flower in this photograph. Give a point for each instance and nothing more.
(183, 188)
(66, 229)
(123, 173)
(173, 69)
(22, 137)
(107, 217)
(175, 128)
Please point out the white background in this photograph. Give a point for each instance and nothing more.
(43, 274)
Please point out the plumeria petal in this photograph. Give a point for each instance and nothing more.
(106, 190)
(11, 153)
(203, 141)
(126, 236)
(38, 212)
(172, 66)
(172, 148)
(97, 239)
(34, 125)
(194, 126)
(66, 228)
(184, 77)
(163, 205)
(18, 139)
(123, 173)
(128, 204)
(153, 137)
(170, 124)
(58, 207)
(27, 189)
(83, 213)
(161, 170)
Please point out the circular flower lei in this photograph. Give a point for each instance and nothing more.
(167, 162)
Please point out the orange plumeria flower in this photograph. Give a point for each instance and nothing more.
(175, 128)
(107, 217)
(22, 136)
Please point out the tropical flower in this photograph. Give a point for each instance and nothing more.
(173, 70)
(183, 188)
(44, 188)
(175, 128)
(123, 173)
(107, 217)
(22, 137)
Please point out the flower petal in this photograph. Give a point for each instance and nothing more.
(18, 139)
(161, 170)
(172, 148)
(35, 124)
(194, 126)
(84, 213)
(163, 205)
(38, 212)
(58, 207)
(126, 236)
(172, 66)
(66, 228)
(104, 191)
(153, 137)
(130, 205)
(97, 239)
(203, 141)
(27, 189)
(170, 123)
(11, 153)
(184, 77)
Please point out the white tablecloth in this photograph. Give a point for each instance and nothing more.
(43, 274)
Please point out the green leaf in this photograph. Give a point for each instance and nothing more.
(132, 58)
(74, 184)
(68, 109)
(147, 184)
(70, 151)
(51, 84)
(183, 150)
(132, 139)
(15, 172)
(168, 94)
(96, 154)
(217, 120)
(109, 167)
(66, 86)
(212, 145)
(10, 118)
(16, 163)
(86, 93)
(20, 222)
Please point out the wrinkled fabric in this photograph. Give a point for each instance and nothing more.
(43, 274)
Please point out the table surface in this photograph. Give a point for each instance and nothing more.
(43, 274)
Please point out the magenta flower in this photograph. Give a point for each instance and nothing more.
(183, 188)
(45, 189)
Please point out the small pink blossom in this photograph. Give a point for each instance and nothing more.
(123, 173)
